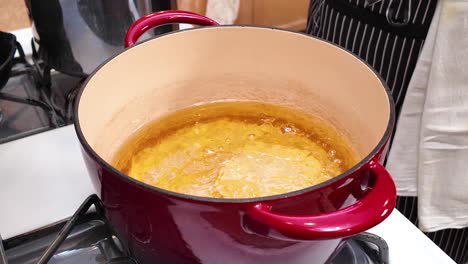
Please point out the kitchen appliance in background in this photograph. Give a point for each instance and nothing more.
(75, 36)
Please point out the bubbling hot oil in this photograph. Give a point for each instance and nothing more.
(236, 150)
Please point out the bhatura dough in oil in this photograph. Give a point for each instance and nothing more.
(235, 150)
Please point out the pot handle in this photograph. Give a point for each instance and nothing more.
(161, 18)
(373, 208)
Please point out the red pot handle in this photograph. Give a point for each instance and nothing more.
(164, 17)
(373, 208)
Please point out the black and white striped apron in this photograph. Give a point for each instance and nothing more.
(389, 35)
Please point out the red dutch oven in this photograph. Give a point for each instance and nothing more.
(180, 69)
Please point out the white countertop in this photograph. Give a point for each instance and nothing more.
(43, 179)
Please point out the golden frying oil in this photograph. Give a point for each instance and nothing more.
(235, 150)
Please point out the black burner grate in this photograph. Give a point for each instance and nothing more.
(84, 238)
(35, 98)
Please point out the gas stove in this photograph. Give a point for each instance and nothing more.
(88, 238)
(43, 183)
(36, 99)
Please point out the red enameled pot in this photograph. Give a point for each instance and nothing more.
(213, 63)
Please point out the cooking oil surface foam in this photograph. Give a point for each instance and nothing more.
(236, 150)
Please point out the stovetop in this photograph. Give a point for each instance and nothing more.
(91, 240)
(21, 119)
(37, 99)
(87, 238)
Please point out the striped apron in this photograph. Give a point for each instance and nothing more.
(389, 35)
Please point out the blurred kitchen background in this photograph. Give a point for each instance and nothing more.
(293, 14)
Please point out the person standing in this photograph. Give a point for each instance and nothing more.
(389, 35)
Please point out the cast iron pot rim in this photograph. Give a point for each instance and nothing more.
(143, 185)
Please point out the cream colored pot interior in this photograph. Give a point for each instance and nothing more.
(240, 63)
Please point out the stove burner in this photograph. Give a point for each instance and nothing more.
(35, 99)
(365, 248)
(87, 238)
